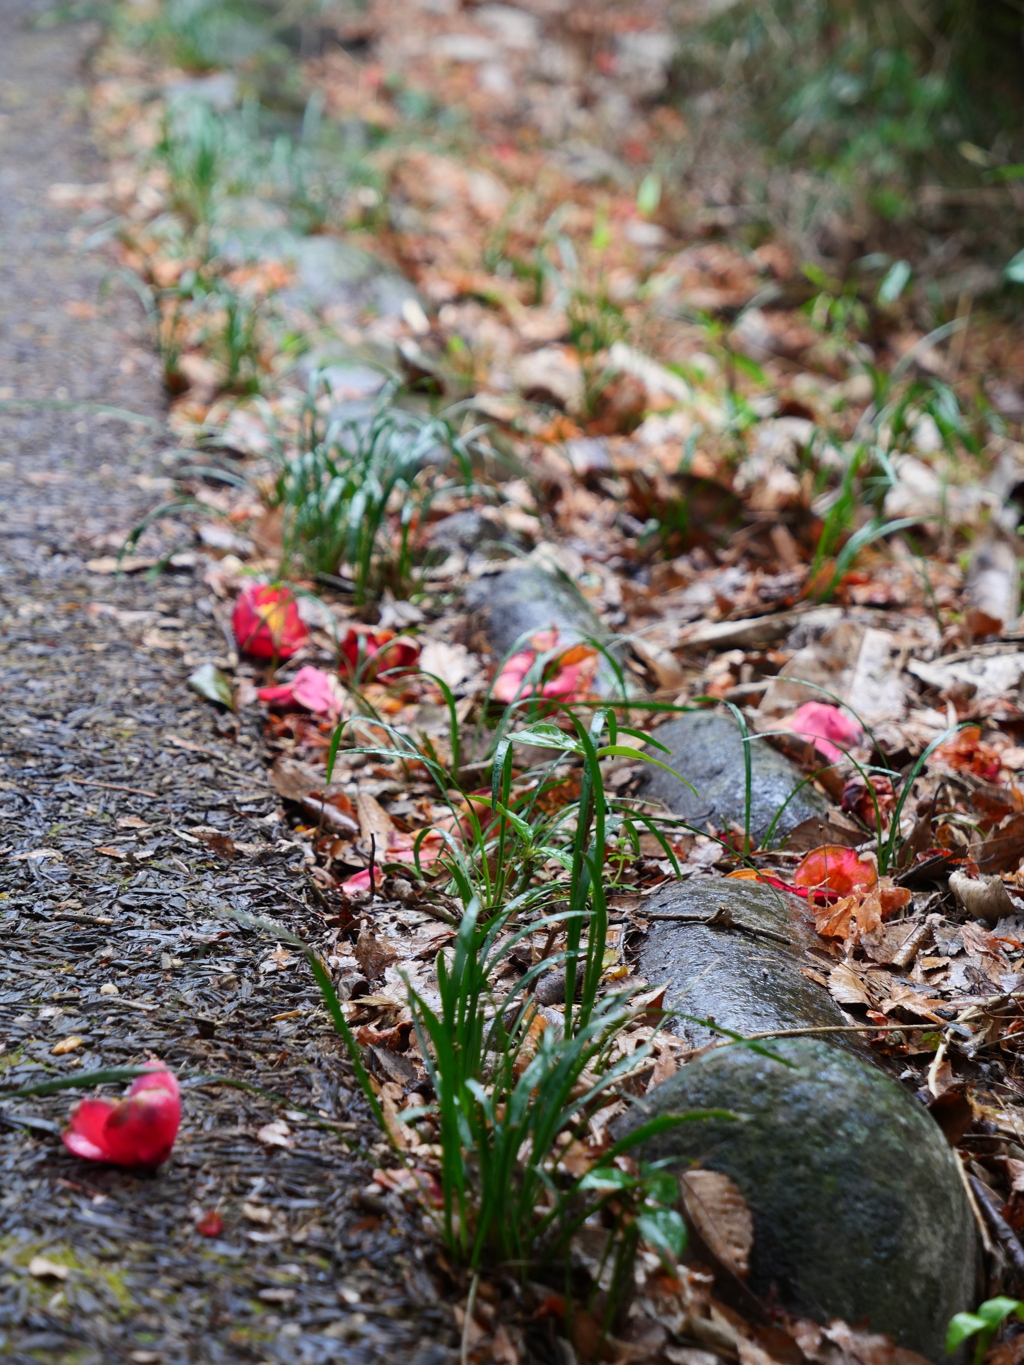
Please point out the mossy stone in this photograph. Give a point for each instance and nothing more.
(706, 748)
(859, 1211)
(744, 971)
(524, 600)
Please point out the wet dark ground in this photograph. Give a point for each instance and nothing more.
(107, 762)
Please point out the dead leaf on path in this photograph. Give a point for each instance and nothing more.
(841, 1344)
(860, 914)
(953, 1112)
(453, 664)
(258, 1213)
(42, 1268)
(1003, 850)
(66, 1045)
(403, 1137)
(189, 745)
(276, 1134)
(373, 954)
(816, 831)
(294, 780)
(992, 587)
(719, 1213)
(846, 987)
(852, 662)
(212, 684)
(503, 1351)
(374, 821)
(982, 897)
(215, 839)
(131, 822)
(110, 564)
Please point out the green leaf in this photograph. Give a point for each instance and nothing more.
(897, 277)
(664, 1229)
(518, 824)
(1014, 271)
(546, 736)
(558, 855)
(607, 1178)
(648, 196)
(993, 1311)
(748, 367)
(212, 684)
(962, 1326)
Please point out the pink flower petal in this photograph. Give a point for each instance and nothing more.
(831, 730)
(315, 690)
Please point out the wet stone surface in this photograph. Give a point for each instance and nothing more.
(706, 748)
(522, 601)
(858, 1208)
(113, 776)
(743, 970)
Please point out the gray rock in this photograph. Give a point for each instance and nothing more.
(329, 270)
(859, 1212)
(473, 532)
(522, 601)
(742, 974)
(707, 749)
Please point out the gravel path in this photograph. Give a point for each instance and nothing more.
(113, 780)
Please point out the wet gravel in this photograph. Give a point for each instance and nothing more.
(116, 785)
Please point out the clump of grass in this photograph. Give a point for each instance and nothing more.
(356, 494)
(510, 1091)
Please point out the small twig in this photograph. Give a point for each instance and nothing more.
(980, 1222)
(999, 1227)
(717, 921)
(373, 866)
(470, 1305)
(114, 787)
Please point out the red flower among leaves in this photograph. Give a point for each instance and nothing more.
(136, 1131)
(836, 869)
(830, 730)
(311, 688)
(371, 652)
(267, 623)
(567, 676)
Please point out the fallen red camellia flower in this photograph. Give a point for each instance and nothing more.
(380, 651)
(835, 868)
(136, 1131)
(311, 688)
(211, 1224)
(569, 676)
(267, 623)
(830, 730)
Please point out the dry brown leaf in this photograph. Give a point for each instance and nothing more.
(982, 897)
(721, 1216)
(373, 954)
(846, 986)
(276, 1134)
(503, 1352)
(374, 821)
(66, 1045)
(294, 780)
